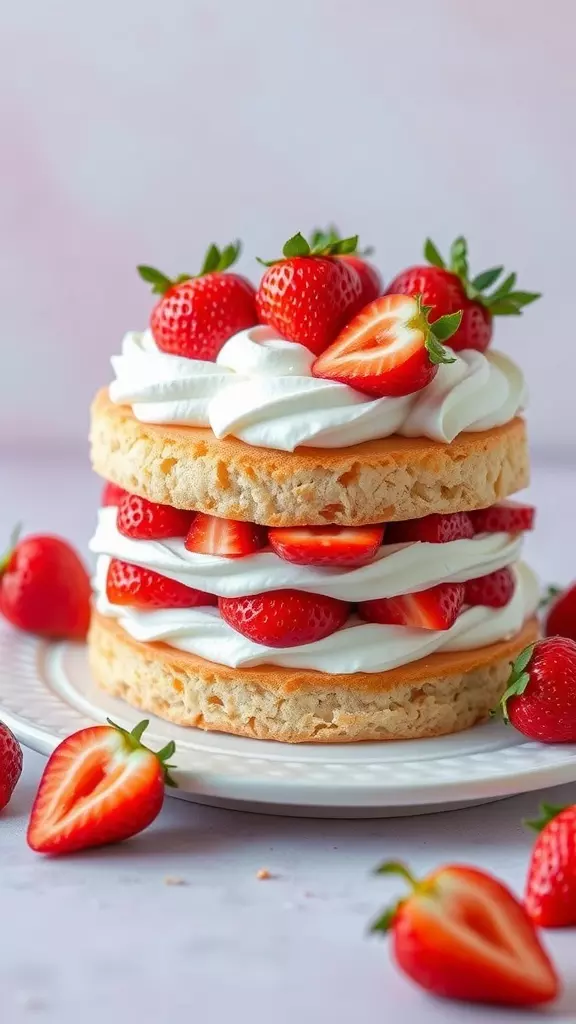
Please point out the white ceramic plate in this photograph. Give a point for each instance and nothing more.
(46, 693)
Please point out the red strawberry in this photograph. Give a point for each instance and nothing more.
(461, 934)
(369, 277)
(449, 288)
(561, 617)
(142, 588)
(541, 697)
(196, 315)
(10, 764)
(146, 520)
(308, 296)
(45, 589)
(210, 535)
(507, 517)
(436, 528)
(101, 785)
(112, 494)
(284, 618)
(435, 608)
(550, 897)
(326, 545)
(389, 348)
(495, 590)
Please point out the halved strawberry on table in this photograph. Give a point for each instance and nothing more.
(437, 528)
(447, 287)
(506, 517)
(356, 258)
(284, 618)
(308, 295)
(435, 608)
(197, 314)
(229, 538)
(347, 546)
(147, 520)
(101, 785)
(389, 349)
(129, 584)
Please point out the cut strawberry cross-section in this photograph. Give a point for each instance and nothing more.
(389, 349)
(327, 545)
(143, 588)
(209, 535)
(495, 590)
(436, 528)
(435, 608)
(509, 517)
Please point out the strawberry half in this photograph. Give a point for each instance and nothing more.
(209, 535)
(326, 545)
(143, 588)
(461, 934)
(436, 528)
(508, 517)
(101, 785)
(146, 520)
(284, 618)
(550, 897)
(540, 700)
(435, 608)
(389, 349)
(112, 494)
(495, 590)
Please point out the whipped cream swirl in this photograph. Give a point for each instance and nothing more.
(358, 647)
(397, 568)
(260, 390)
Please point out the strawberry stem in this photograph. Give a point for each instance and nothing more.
(322, 243)
(547, 814)
(435, 333)
(518, 681)
(384, 922)
(216, 261)
(395, 867)
(133, 742)
(504, 300)
(5, 560)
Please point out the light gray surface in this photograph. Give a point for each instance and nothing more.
(103, 937)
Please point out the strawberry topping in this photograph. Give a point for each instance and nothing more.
(146, 520)
(284, 618)
(143, 588)
(437, 528)
(508, 517)
(495, 590)
(435, 608)
(326, 545)
(209, 535)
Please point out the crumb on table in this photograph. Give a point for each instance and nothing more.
(263, 873)
(174, 880)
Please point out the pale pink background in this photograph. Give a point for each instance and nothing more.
(134, 130)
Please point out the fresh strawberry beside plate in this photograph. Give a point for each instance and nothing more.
(435, 608)
(461, 934)
(389, 349)
(540, 700)
(348, 546)
(550, 897)
(10, 764)
(561, 612)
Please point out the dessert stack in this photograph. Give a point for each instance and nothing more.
(306, 534)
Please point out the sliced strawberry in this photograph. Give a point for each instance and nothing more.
(146, 520)
(112, 494)
(461, 934)
(209, 535)
(435, 608)
(436, 528)
(101, 785)
(389, 348)
(508, 517)
(495, 590)
(142, 588)
(326, 545)
(284, 618)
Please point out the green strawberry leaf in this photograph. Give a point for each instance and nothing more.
(446, 326)
(524, 298)
(385, 921)
(432, 255)
(343, 246)
(486, 278)
(459, 258)
(550, 594)
(211, 261)
(547, 814)
(518, 681)
(229, 255)
(502, 290)
(296, 246)
(160, 283)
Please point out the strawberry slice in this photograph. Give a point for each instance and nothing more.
(146, 520)
(101, 785)
(209, 535)
(326, 545)
(389, 349)
(495, 590)
(284, 618)
(435, 608)
(143, 588)
(508, 517)
(461, 934)
(433, 529)
(112, 494)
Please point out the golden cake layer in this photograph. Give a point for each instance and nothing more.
(440, 694)
(393, 478)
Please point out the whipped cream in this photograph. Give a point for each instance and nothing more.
(397, 568)
(260, 390)
(358, 647)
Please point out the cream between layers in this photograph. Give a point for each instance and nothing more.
(397, 569)
(261, 391)
(359, 647)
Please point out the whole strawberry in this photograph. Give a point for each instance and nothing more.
(551, 884)
(448, 287)
(561, 615)
(196, 315)
(369, 276)
(10, 764)
(541, 697)
(309, 295)
(45, 589)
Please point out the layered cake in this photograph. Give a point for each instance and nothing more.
(306, 534)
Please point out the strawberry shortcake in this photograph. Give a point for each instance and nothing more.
(306, 533)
